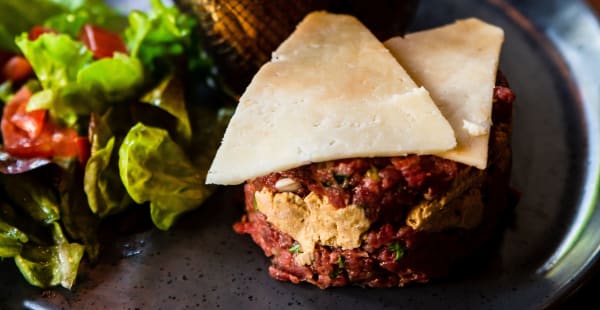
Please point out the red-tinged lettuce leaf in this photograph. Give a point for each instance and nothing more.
(14, 165)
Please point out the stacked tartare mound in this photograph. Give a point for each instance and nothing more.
(370, 164)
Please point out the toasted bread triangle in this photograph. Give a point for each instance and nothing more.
(331, 91)
(457, 63)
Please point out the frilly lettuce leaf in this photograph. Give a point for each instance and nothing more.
(113, 79)
(155, 169)
(55, 58)
(81, 12)
(40, 250)
(6, 92)
(64, 16)
(106, 194)
(162, 167)
(76, 217)
(11, 240)
(161, 33)
(46, 266)
(31, 194)
(169, 96)
(73, 84)
(19, 16)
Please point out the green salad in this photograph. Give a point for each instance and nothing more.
(101, 112)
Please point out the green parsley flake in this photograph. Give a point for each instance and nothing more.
(398, 250)
(295, 248)
(341, 261)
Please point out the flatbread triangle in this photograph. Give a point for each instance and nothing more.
(457, 63)
(330, 91)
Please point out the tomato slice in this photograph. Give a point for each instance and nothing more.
(101, 42)
(30, 134)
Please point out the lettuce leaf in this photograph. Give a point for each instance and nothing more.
(6, 91)
(55, 58)
(43, 261)
(99, 182)
(82, 12)
(169, 96)
(161, 33)
(31, 194)
(75, 85)
(11, 240)
(113, 79)
(162, 166)
(155, 169)
(65, 16)
(105, 193)
(46, 266)
(20, 16)
(76, 217)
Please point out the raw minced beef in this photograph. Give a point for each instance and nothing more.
(391, 253)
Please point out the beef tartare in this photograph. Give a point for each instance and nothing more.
(409, 218)
(368, 163)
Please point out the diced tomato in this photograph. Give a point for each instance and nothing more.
(101, 42)
(31, 123)
(28, 134)
(17, 69)
(37, 31)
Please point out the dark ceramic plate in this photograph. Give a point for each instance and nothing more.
(551, 58)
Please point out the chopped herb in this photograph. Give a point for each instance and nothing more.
(398, 250)
(334, 274)
(373, 174)
(337, 269)
(341, 261)
(295, 248)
